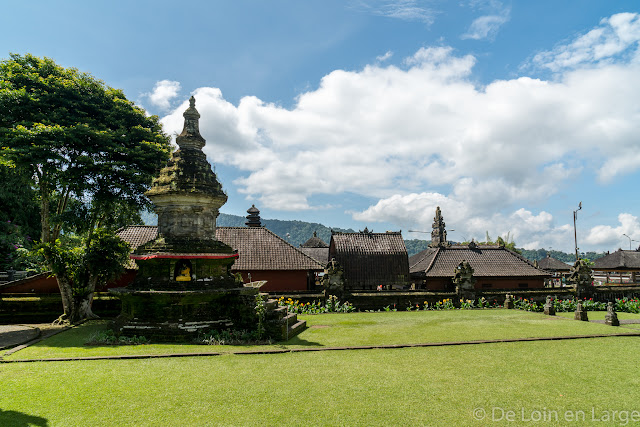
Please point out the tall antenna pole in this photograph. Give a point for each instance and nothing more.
(575, 233)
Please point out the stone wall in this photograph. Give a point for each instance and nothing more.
(28, 308)
(371, 300)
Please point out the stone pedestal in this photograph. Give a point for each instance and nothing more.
(580, 313)
(611, 318)
(508, 302)
(549, 309)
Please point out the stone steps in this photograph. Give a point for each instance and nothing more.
(286, 324)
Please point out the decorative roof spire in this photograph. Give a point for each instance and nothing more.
(438, 234)
(190, 136)
(253, 219)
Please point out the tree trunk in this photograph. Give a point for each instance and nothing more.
(68, 302)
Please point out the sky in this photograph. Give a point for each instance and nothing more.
(356, 113)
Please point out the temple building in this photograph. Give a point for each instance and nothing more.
(621, 265)
(371, 260)
(556, 267)
(262, 255)
(494, 266)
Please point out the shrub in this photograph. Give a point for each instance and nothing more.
(331, 305)
(231, 337)
(108, 337)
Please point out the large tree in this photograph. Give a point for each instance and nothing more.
(19, 217)
(90, 153)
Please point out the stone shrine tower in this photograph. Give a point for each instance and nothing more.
(184, 286)
(187, 196)
(438, 234)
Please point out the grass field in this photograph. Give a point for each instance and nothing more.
(425, 386)
(352, 329)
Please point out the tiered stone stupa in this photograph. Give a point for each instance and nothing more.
(187, 197)
(184, 282)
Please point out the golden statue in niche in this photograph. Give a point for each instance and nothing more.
(185, 274)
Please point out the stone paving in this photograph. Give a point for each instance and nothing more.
(12, 335)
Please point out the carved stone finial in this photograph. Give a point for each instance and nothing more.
(190, 136)
(438, 234)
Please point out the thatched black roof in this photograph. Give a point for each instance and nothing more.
(371, 259)
(619, 260)
(552, 264)
(314, 242)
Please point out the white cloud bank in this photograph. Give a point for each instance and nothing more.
(487, 26)
(616, 36)
(395, 133)
(163, 92)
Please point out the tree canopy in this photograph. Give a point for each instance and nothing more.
(89, 152)
(78, 138)
(19, 217)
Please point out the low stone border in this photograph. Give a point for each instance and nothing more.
(15, 335)
(41, 336)
(310, 349)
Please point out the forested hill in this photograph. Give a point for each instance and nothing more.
(294, 232)
(298, 232)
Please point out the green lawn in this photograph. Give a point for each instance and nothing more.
(412, 386)
(353, 329)
(586, 378)
(599, 315)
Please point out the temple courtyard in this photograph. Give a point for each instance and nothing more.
(453, 367)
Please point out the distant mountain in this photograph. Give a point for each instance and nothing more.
(294, 232)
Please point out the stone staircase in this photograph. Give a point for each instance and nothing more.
(282, 325)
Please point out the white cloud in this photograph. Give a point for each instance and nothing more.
(382, 128)
(406, 10)
(416, 211)
(395, 134)
(163, 92)
(382, 58)
(485, 27)
(605, 235)
(616, 36)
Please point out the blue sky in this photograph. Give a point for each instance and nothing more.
(372, 113)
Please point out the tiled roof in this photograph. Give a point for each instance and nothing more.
(371, 259)
(258, 248)
(553, 264)
(137, 235)
(487, 261)
(319, 254)
(620, 259)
